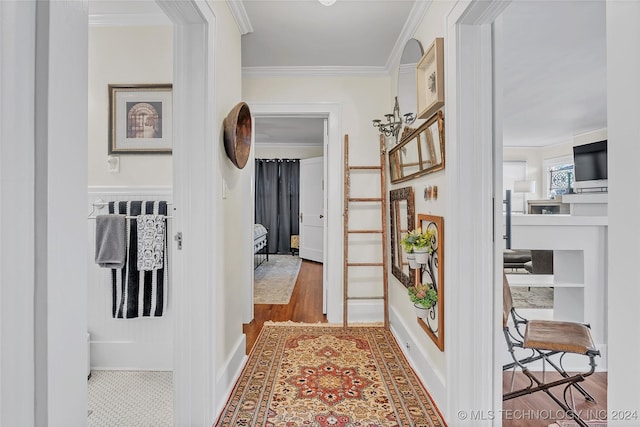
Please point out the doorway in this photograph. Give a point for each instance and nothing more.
(332, 293)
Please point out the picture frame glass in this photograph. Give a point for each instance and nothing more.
(140, 119)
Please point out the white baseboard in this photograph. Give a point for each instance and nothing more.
(366, 311)
(131, 356)
(230, 372)
(421, 363)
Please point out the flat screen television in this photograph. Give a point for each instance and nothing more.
(590, 161)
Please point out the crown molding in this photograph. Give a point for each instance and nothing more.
(240, 15)
(128, 19)
(288, 144)
(367, 71)
(418, 11)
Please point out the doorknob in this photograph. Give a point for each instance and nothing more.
(321, 216)
(300, 216)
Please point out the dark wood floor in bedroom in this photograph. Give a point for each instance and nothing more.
(305, 304)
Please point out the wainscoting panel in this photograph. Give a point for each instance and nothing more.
(125, 344)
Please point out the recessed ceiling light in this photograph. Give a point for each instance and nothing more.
(327, 2)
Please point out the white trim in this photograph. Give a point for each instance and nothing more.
(240, 15)
(196, 189)
(419, 360)
(128, 19)
(472, 306)
(364, 71)
(288, 144)
(365, 311)
(412, 23)
(230, 372)
(332, 272)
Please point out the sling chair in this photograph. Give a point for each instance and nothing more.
(544, 339)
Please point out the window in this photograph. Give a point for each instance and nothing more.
(558, 176)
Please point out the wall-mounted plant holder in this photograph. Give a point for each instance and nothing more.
(433, 272)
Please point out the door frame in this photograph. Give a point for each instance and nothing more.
(331, 273)
(473, 136)
(195, 160)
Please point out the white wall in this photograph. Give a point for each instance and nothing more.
(142, 344)
(236, 258)
(422, 348)
(265, 151)
(623, 110)
(126, 55)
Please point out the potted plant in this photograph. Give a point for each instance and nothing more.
(422, 246)
(408, 243)
(423, 296)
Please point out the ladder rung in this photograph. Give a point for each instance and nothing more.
(364, 264)
(364, 167)
(365, 199)
(365, 297)
(365, 231)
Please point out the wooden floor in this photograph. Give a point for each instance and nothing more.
(305, 304)
(538, 410)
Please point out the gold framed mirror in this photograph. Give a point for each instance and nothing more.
(420, 151)
(401, 212)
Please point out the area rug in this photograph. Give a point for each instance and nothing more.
(571, 423)
(323, 375)
(274, 280)
(534, 297)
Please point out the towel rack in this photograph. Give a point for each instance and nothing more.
(99, 204)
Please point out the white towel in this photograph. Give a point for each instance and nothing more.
(151, 235)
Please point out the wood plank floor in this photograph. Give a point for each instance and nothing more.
(305, 304)
(538, 410)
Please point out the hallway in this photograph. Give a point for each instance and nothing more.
(305, 304)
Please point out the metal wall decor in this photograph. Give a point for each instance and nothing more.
(433, 272)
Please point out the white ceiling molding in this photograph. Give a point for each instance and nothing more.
(240, 15)
(370, 71)
(288, 144)
(128, 19)
(408, 30)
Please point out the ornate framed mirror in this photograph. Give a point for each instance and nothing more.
(401, 212)
(420, 151)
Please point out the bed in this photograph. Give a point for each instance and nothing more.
(260, 241)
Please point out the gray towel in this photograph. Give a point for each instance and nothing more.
(110, 241)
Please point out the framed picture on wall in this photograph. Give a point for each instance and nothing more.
(430, 80)
(140, 119)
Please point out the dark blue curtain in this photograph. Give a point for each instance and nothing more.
(277, 200)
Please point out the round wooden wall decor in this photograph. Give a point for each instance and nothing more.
(237, 134)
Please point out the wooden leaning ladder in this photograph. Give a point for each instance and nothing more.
(348, 201)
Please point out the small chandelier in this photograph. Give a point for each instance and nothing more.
(394, 122)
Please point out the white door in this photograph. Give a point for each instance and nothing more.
(312, 209)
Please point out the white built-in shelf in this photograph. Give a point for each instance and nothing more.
(540, 281)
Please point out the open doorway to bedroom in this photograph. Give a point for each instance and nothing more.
(289, 210)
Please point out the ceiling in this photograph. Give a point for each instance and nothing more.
(553, 55)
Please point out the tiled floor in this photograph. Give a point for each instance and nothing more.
(130, 399)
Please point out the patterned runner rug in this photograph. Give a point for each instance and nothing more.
(275, 279)
(319, 375)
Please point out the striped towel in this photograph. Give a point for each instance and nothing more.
(139, 293)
